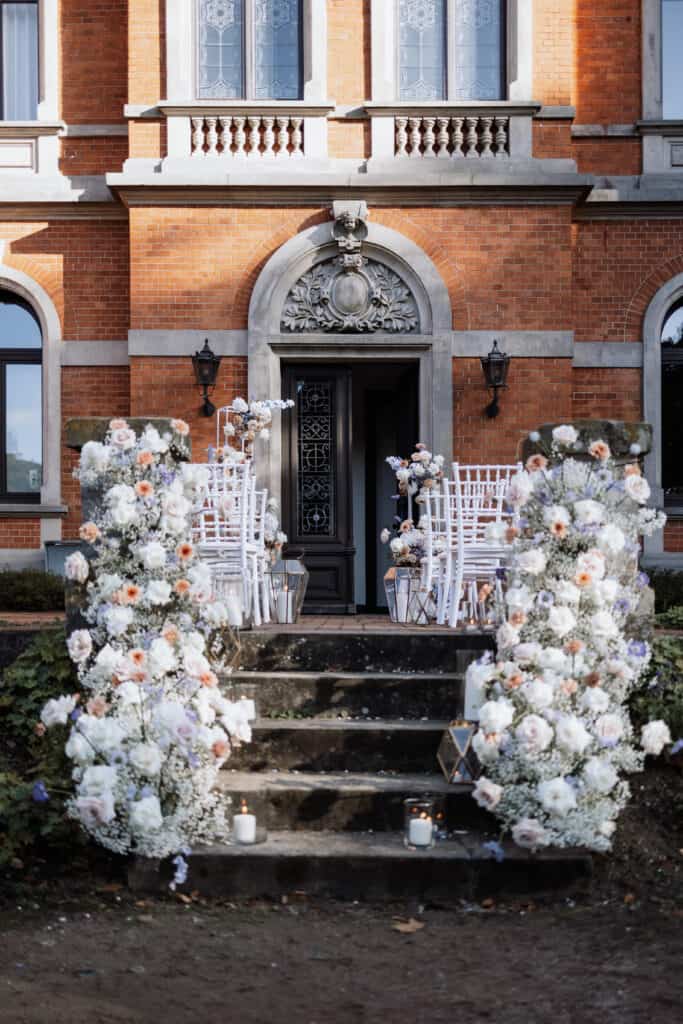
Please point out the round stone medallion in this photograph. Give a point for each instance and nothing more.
(350, 293)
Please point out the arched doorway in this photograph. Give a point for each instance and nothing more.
(353, 321)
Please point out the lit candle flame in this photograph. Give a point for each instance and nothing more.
(244, 808)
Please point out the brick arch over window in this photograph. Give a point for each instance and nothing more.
(637, 308)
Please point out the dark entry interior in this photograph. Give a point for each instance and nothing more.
(336, 485)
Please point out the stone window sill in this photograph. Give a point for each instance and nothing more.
(12, 510)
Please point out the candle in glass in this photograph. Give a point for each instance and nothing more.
(420, 831)
(285, 605)
(244, 826)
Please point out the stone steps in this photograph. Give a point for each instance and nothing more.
(347, 801)
(351, 865)
(319, 694)
(337, 745)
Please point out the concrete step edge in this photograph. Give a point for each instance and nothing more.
(348, 725)
(350, 783)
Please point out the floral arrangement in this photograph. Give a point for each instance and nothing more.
(275, 538)
(406, 541)
(421, 471)
(555, 737)
(246, 421)
(150, 729)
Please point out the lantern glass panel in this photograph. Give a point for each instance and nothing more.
(455, 755)
(419, 823)
(288, 583)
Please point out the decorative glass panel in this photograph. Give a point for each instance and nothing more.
(19, 327)
(221, 49)
(277, 62)
(20, 62)
(317, 457)
(23, 428)
(422, 49)
(672, 406)
(478, 50)
(672, 62)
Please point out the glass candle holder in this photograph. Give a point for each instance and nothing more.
(247, 829)
(418, 833)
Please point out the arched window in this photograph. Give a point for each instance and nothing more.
(451, 50)
(21, 416)
(250, 49)
(672, 405)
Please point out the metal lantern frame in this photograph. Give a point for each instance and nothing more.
(205, 364)
(495, 366)
(456, 756)
(287, 584)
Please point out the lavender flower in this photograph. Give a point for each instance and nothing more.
(495, 849)
(39, 793)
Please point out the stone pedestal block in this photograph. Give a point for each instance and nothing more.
(619, 435)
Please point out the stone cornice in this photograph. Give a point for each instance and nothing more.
(62, 210)
(666, 209)
(195, 108)
(29, 129)
(481, 108)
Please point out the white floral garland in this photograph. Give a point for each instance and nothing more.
(554, 732)
(152, 729)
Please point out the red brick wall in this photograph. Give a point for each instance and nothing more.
(166, 387)
(607, 72)
(19, 533)
(93, 155)
(88, 391)
(609, 155)
(94, 53)
(349, 139)
(552, 140)
(553, 51)
(606, 393)
(348, 51)
(673, 536)
(146, 51)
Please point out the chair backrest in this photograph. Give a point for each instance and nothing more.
(483, 487)
(224, 518)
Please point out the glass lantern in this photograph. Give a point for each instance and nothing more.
(419, 829)
(409, 601)
(456, 755)
(288, 580)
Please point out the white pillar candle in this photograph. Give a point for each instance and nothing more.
(248, 709)
(244, 827)
(420, 831)
(234, 608)
(402, 598)
(285, 606)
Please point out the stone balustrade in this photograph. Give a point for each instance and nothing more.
(235, 136)
(444, 136)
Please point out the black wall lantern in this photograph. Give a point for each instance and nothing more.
(495, 366)
(206, 365)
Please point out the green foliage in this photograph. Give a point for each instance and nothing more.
(662, 694)
(671, 619)
(31, 590)
(44, 670)
(668, 588)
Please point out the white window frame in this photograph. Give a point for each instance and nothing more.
(182, 63)
(385, 54)
(662, 139)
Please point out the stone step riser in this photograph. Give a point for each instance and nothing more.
(360, 652)
(328, 695)
(338, 750)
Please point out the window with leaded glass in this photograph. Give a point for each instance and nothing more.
(451, 50)
(21, 417)
(672, 59)
(672, 405)
(250, 49)
(19, 52)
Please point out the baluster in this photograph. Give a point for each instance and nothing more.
(501, 135)
(442, 139)
(486, 136)
(240, 136)
(268, 136)
(471, 136)
(401, 136)
(457, 136)
(211, 137)
(415, 137)
(197, 136)
(282, 127)
(297, 137)
(224, 137)
(254, 124)
(428, 137)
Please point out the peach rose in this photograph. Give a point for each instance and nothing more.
(511, 533)
(170, 633)
(599, 450)
(221, 748)
(182, 587)
(184, 551)
(118, 425)
(97, 707)
(89, 532)
(39, 729)
(559, 529)
(583, 579)
(569, 686)
(517, 618)
(514, 681)
(145, 458)
(130, 594)
(138, 656)
(573, 646)
(209, 679)
(536, 462)
(592, 679)
(180, 427)
(144, 489)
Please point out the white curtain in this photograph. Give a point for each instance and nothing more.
(20, 61)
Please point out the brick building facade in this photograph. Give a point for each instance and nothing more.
(521, 162)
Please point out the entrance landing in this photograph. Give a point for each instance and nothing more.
(357, 624)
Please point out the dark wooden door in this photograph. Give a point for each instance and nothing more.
(316, 485)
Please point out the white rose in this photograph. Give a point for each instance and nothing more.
(117, 619)
(57, 711)
(145, 815)
(556, 796)
(172, 722)
(519, 489)
(76, 567)
(565, 435)
(519, 598)
(607, 828)
(529, 833)
(239, 405)
(609, 729)
(637, 488)
(123, 438)
(618, 668)
(195, 664)
(108, 660)
(97, 780)
(158, 592)
(592, 561)
(487, 794)
(385, 536)
(193, 641)
(95, 457)
(216, 613)
(78, 749)
(607, 590)
(108, 583)
(79, 645)
(571, 735)
(528, 653)
(603, 625)
(556, 515)
(146, 758)
(152, 440)
(533, 734)
(589, 513)
(566, 592)
(532, 561)
(129, 694)
(654, 737)
(95, 810)
(120, 494)
(496, 715)
(153, 555)
(599, 775)
(123, 514)
(105, 734)
(506, 636)
(537, 694)
(561, 620)
(553, 658)
(595, 700)
(161, 657)
(610, 539)
(485, 747)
